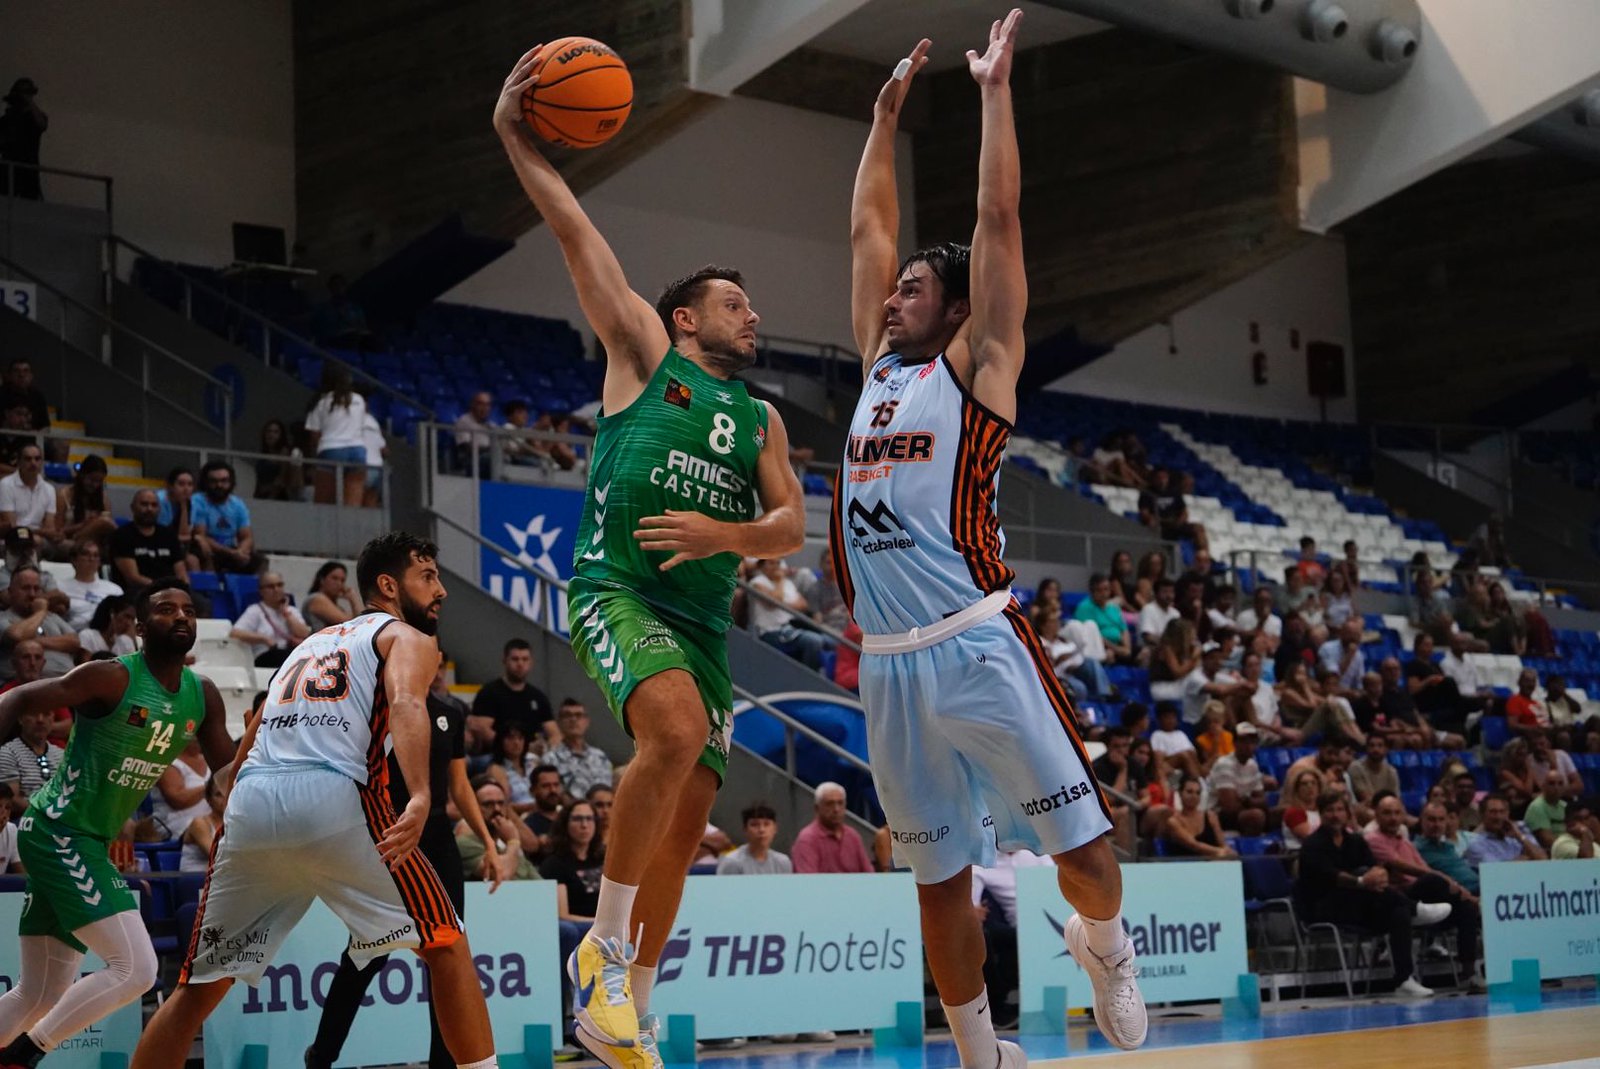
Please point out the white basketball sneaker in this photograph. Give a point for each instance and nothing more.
(1118, 1006)
(1011, 1056)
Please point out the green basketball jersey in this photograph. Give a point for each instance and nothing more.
(112, 761)
(689, 442)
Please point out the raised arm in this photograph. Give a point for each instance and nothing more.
(625, 322)
(999, 285)
(875, 212)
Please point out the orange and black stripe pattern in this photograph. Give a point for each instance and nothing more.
(1057, 694)
(421, 891)
(974, 524)
(836, 537)
(200, 909)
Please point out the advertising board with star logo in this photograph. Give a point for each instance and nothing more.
(538, 526)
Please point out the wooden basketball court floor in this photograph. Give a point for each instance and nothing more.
(1559, 1029)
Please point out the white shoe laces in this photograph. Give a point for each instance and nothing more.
(618, 957)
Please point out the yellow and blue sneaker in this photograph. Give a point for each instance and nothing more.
(602, 994)
(641, 1055)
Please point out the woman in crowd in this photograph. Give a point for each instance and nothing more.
(280, 477)
(330, 600)
(1046, 597)
(1152, 567)
(1177, 653)
(1297, 698)
(111, 629)
(198, 836)
(82, 511)
(1147, 771)
(84, 588)
(175, 500)
(1125, 586)
(1300, 817)
(512, 767)
(1517, 777)
(1082, 676)
(1507, 630)
(1192, 830)
(180, 794)
(1338, 599)
(334, 430)
(575, 863)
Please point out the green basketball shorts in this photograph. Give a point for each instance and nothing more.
(71, 880)
(621, 641)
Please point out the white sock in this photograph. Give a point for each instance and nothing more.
(1106, 938)
(491, 1062)
(611, 916)
(642, 978)
(973, 1030)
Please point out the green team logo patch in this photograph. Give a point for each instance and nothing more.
(138, 716)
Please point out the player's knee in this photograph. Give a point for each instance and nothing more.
(138, 972)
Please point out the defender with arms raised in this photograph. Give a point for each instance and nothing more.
(968, 726)
(682, 457)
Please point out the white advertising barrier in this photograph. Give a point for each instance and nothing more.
(1186, 920)
(769, 955)
(117, 1034)
(1543, 911)
(514, 943)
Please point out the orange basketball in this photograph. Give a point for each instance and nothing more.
(583, 95)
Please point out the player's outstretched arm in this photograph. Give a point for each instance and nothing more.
(93, 689)
(875, 212)
(625, 322)
(409, 664)
(215, 742)
(999, 283)
(780, 531)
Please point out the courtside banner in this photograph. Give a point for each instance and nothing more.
(770, 955)
(538, 525)
(117, 1034)
(513, 935)
(1186, 921)
(1546, 910)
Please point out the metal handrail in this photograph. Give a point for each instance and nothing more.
(11, 168)
(268, 326)
(206, 452)
(561, 584)
(108, 323)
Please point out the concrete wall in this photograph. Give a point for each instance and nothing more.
(1305, 292)
(757, 186)
(189, 106)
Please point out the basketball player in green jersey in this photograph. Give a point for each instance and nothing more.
(135, 714)
(682, 455)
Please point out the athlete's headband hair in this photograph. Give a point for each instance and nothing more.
(390, 555)
(141, 604)
(688, 290)
(951, 264)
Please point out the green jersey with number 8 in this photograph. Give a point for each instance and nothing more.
(689, 442)
(112, 761)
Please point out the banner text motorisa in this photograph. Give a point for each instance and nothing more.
(1186, 922)
(769, 955)
(538, 525)
(514, 945)
(116, 1034)
(1546, 910)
